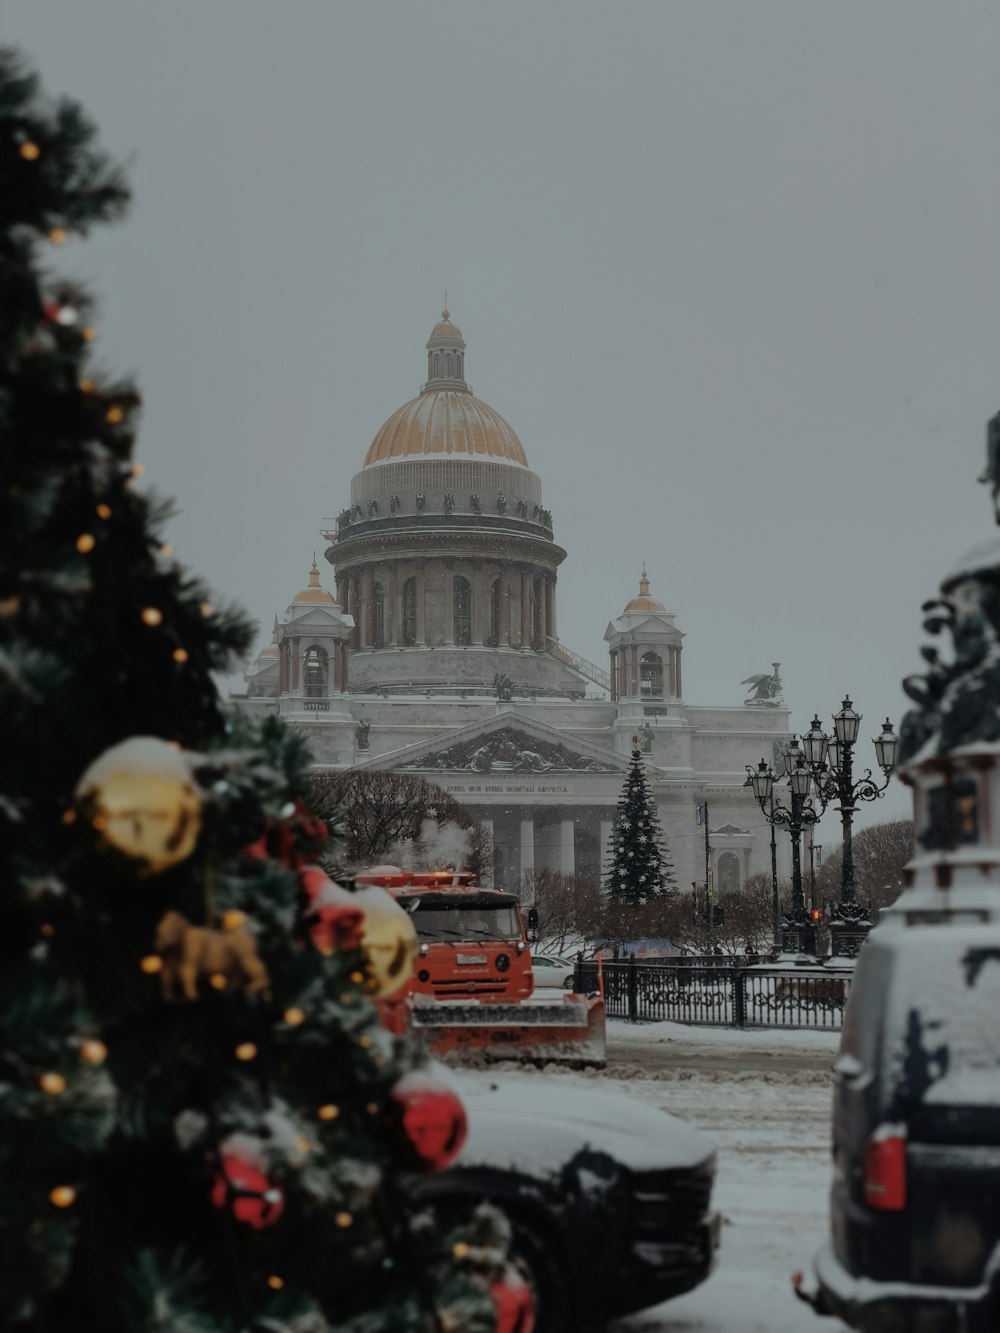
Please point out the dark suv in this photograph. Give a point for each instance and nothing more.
(915, 1205)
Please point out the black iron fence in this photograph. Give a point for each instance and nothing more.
(725, 992)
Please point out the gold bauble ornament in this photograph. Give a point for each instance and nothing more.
(141, 799)
(389, 940)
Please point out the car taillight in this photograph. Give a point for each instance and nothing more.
(885, 1172)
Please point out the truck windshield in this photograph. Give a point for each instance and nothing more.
(472, 923)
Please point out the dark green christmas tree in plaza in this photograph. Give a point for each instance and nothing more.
(639, 867)
(204, 1126)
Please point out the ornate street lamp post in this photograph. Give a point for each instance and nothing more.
(798, 933)
(831, 761)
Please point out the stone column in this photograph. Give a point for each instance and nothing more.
(480, 604)
(503, 626)
(614, 675)
(672, 672)
(606, 826)
(550, 605)
(367, 600)
(543, 623)
(526, 616)
(527, 845)
(635, 691)
(421, 633)
(392, 609)
(680, 691)
(449, 607)
(567, 853)
(488, 871)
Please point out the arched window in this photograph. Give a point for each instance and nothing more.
(437, 363)
(463, 610)
(314, 672)
(378, 616)
(460, 359)
(651, 676)
(729, 873)
(495, 613)
(410, 612)
(448, 365)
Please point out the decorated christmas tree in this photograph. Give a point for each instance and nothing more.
(204, 1127)
(639, 868)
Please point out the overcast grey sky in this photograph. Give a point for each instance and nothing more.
(728, 268)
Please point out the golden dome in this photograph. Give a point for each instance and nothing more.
(444, 422)
(444, 328)
(314, 593)
(271, 649)
(644, 602)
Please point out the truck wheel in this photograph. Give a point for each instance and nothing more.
(537, 1256)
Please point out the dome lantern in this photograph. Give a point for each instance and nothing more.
(446, 356)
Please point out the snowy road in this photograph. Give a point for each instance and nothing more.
(770, 1117)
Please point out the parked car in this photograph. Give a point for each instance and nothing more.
(609, 1198)
(550, 970)
(915, 1204)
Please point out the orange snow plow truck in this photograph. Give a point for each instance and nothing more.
(472, 991)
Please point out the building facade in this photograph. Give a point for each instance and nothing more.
(437, 653)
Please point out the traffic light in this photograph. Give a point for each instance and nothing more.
(718, 916)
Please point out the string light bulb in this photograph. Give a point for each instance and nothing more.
(89, 333)
(30, 151)
(93, 1052)
(9, 606)
(233, 919)
(218, 981)
(328, 1112)
(69, 816)
(152, 615)
(275, 1283)
(86, 386)
(58, 236)
(114, 415)
(63, 1196)
(166, 549)
(206, 609)
(293, 1017)
(138, 469)
(85, 543)
(48, 929)
(460, 1250)
(152, 964)
(52, 1083)
(344, 1219)
(180, 654)
(103, 511)
(246, 1051)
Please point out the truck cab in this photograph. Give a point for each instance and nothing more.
(472, 941)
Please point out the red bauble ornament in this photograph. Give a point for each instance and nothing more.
(297, 838)
(242, 1185)
(333, 916)
(513, 1302)
(433, 1120)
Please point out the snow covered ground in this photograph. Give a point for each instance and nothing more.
(772, 1127)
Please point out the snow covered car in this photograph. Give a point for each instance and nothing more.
(552, 971)
(609, 1198)
(915, 1203)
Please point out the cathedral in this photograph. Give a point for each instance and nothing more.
(433, 649)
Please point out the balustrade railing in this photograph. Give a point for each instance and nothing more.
(719, 991)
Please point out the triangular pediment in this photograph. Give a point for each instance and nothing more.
(507, 743)
(730, 829)
(319, 618)
(650, 627)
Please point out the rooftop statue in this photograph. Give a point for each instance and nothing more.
(766, 689)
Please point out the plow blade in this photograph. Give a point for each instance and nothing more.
(569, 1032)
